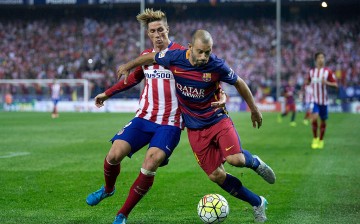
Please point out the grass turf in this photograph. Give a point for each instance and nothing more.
(49, 166)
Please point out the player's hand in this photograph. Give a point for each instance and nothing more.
(100, 99)
(256, 118)
(122, 70)
(221, 102)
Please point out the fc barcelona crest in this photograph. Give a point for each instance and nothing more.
(207, 77)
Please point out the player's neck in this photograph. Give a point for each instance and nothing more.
(320, 66)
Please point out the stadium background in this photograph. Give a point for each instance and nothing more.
(48, 166)
(89, 39)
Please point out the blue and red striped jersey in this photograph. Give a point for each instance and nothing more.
(197, 87)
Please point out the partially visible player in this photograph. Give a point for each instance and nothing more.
(8, 101)
(307, 103)
(157, 122)
(211, 133)
(319, 78)
(55, 96)
(289, 94)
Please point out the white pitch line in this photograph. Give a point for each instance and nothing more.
(14, 154)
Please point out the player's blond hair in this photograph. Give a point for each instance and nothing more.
(149, 15)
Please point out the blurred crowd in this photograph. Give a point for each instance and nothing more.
(90, 48)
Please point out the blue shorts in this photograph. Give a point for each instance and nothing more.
(308, 107)
(321, 110)
(55, 101)
(140, 132)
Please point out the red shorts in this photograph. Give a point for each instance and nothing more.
(290, 107)
(213, 144)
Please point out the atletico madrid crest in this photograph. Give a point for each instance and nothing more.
(207, 77)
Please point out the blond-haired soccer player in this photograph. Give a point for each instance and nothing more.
(157, 122)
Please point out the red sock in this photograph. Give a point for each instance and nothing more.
(314, 128)
(110, 173)
(322, 129)
(139, 188)
(307, 115)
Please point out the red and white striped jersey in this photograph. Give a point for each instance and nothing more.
(55, 91)
(158, 102)
(308, 94)
(315, 78)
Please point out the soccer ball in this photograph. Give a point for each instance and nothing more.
(213, 208)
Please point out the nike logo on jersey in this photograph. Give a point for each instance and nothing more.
(179, 72)
(228, 148)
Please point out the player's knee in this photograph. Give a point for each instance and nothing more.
(118, 151)
(237, 160)
(218, 176)
(154, 158)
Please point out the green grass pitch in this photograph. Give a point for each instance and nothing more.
(49, 166)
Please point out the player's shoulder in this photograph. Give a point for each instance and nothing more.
(175, 53)
(217, 63)
(175, 45)
(328, 70)
(146, 51)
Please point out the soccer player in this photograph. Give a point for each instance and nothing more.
(307, 102)
(319, 78)
(157, 122)
(211, 133)
(55, 96)
(289, 93)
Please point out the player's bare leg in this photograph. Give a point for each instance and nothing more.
(245, 159)
(234, 187)
(154, 158)
(117, 152)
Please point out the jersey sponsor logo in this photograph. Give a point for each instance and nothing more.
(155, 74)
(190, 91)
(207, 77)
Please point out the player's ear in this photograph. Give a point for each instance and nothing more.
(189, 46)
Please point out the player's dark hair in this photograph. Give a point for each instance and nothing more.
(317, 54)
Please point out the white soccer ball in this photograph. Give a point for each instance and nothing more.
(213, 208)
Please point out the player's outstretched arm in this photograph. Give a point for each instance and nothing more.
(124, 69)
(244, 91)
(330, 83)
(100, 99)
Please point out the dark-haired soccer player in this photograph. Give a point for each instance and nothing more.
(211, 132)
(319, 78)
(289, 94)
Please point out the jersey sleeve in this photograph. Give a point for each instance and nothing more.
(308, 77)
(227, 74)
(331, 76)
(165, 58)
(133, 79)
